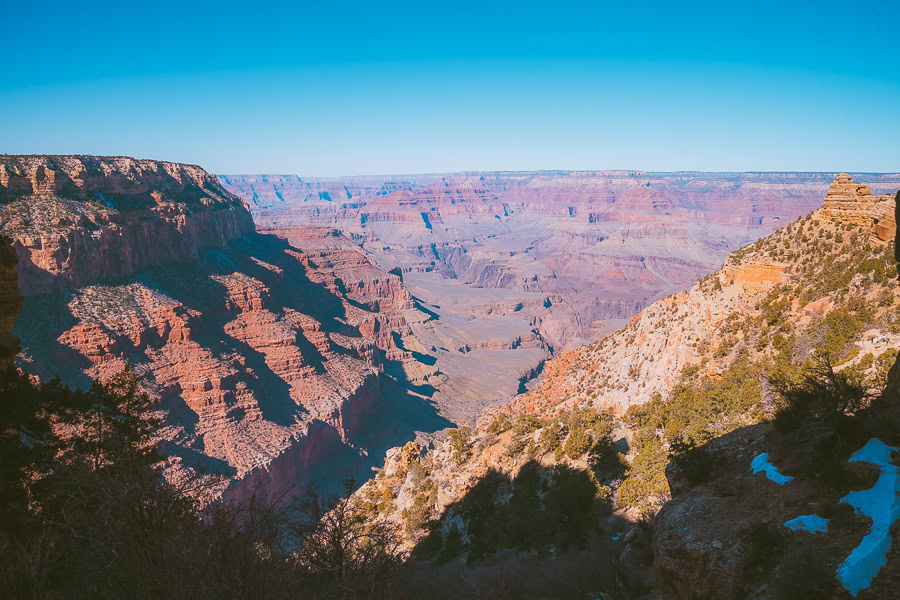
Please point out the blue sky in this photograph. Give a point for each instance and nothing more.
(341, 88)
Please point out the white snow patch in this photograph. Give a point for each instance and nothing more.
(761, 463)
(810, 523)
(881, 504)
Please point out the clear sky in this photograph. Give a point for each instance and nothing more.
(340, 88)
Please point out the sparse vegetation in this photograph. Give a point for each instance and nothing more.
(816, 412)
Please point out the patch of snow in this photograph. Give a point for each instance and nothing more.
(761, 463)
(881, 504)
(810, 523)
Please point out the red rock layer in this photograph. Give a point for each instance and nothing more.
(77, 220)
(258, 351)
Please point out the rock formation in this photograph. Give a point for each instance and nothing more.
(77, 220)
(267, 361)
(853, 204)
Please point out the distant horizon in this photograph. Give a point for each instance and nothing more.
(466, 172)
(527, 171)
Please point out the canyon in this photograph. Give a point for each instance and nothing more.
(583, 251)
(431, 329)
(294, 330)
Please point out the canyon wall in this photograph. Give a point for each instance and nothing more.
(667, 417)
(708, 325)
(267, 361)
(77, 220)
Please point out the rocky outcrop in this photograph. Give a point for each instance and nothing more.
(850, 203)
(77, 220)
(10, 303)
(728, 536)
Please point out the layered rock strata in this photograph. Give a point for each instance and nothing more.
(77, 220)
(268, 361)
(601, 246)
(850, 203)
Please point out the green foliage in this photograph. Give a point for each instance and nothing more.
(697, 463)
(116, 417)
(460, 440)
(558, 454)
(27, 443)
(525, 424)
(697, 410)
(479, 512)
(645, 485)
(816, 412)
(578, 443)
(500, 424)
(545, 509)
(843, 326)
(515, 447)
(452, 545)
(634, 372)
(378, 501)
(884, 363)
(551, 436)
(589, 431)
(774, 307)
(88, 514)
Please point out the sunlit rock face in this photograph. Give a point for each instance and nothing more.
(269, 361)
(77, 220)
(848, 202)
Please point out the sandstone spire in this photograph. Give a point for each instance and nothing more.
(851, 203)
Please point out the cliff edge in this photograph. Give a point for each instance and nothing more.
(77, 220)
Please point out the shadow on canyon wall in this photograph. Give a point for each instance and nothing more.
(200, 285)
